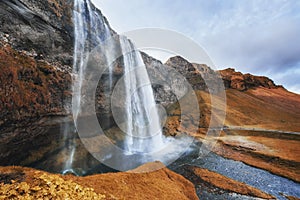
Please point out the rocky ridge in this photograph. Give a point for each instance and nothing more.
(242, 82)
(195, 74)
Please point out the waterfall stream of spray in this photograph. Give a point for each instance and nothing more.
(89, 30)
(143, 132)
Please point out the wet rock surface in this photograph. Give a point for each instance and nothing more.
(36, 48)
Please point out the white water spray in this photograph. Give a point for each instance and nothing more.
(89, 30)
(143, 130)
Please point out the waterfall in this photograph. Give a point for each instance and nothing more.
(90, 30)
(143, 132)
(142, 124)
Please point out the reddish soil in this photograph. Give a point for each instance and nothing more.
(160, 184)
(275, 109)
(21, 182)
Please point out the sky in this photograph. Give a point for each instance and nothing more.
(260, 37)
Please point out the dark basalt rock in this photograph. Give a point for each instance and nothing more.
(42, 27)
(36, 48)
(199, 76)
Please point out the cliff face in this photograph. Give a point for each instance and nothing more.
(42, 28)
(36, 44)
(30, 88)
(36, 48)
(31, 93)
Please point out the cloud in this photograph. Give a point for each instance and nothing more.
(290, 78)
(266, 43)
(273, 47)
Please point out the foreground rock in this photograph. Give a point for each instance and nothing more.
(160, 184)
(43, 186)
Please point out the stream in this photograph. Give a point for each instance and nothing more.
(258, 178)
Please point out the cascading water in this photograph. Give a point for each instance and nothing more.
(90, 30)
(142, 124)
(143, 132)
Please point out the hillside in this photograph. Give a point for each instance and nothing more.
(261, 125)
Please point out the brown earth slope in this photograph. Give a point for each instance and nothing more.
(161, 184)
(275, 109)
(261, 125)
